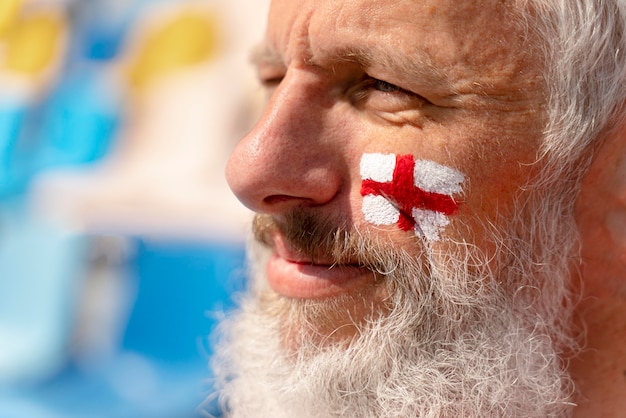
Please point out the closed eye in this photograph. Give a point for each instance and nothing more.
(387, 92)
(384, 86)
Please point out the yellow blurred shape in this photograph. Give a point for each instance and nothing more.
(186, 39)
(8, 14)
(33, 44)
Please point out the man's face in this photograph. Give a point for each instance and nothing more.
(389, 168)
(448, 82)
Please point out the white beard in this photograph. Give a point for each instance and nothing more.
(458, 341)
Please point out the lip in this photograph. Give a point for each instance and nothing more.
(294, 276)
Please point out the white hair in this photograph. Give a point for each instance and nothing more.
(583, 43)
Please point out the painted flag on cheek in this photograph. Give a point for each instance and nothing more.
(414, 194)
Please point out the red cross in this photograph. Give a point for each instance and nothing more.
(405, 196)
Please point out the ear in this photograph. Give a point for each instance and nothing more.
(601, 218)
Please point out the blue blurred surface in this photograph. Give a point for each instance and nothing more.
(12, 176)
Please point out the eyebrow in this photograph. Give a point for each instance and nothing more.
(411, 67)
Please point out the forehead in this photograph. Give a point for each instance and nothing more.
(468, 39)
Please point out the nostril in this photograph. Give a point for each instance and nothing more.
(277, 198)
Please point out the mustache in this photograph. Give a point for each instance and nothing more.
(308, 235)
(324, 239)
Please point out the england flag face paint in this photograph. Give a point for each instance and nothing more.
(414, 194)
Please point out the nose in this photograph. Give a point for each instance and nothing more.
(289, 158)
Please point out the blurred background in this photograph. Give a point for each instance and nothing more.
(120, 243)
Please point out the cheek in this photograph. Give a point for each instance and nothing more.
(435, 180)
(499, 164)
(496, 187)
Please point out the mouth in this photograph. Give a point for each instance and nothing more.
(293, 274)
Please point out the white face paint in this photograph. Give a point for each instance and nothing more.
(436, 178)
(396, 187)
